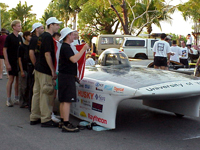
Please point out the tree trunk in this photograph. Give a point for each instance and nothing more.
(125, 17)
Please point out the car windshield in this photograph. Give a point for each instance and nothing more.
(117, 59)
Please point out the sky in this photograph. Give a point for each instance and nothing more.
(178, 25)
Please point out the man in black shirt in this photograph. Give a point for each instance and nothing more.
(66, 78)
(43, 90)
(10, 52)
(23, 63)
(37, 30)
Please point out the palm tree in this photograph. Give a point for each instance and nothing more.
(5, 17)
(22, 12)
(157, 11)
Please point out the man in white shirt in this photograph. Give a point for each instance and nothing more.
(184, 54)
(176, 51)
(189, 40)
(162, 53)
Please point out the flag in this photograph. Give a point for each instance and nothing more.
(57, 46)
(81, 62)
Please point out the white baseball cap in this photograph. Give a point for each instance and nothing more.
(64, 32)
(52, 20)
(35, 26)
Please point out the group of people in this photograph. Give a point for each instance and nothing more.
(163, 53)
(34, 65)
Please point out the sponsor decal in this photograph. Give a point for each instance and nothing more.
(81, 85)
(118, 90)
(82, 113)
(99, 89)
(100, 98)
(86, 103)
(97, 84)
(95, 118)
(91, 82)
(87, 86)
(85, 94)
(108, 87)
(97, 107)
(86, 108)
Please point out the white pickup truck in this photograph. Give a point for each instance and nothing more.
(136, 47)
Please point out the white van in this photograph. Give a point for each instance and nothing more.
(136, 47)
(106, 41)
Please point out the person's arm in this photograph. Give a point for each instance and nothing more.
(198, 61)
(168, 58)
(21, 67)
(50, 64)
(8, 67)
(77, 56)
(32, 56)
(191, 51)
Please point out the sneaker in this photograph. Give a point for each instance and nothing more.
(9, 103)
(69, 128)
(16, 101)
(35, 122)
(50, 124)
(53, 117)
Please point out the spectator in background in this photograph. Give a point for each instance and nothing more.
(23, 64)
(189, 40)
(76, 38)
(162, 53)
(184, 54)
(3, 36)
(91, 60)
(83, 42)
(177, 52)
(10, 52)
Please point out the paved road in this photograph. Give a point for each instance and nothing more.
(137, 128)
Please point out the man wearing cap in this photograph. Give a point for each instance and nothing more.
(10, 52)
(43, 90)
(67, 77)
(3, 36)
(37, 30)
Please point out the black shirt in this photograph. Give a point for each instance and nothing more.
(12, 44)
(33, 44)
(65, 65)
(24, 55)
(44, 44)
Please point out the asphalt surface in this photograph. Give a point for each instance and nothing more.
(138, 127)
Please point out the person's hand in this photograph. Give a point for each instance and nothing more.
(8, 67)
(77, 80)
(54, 75)
(22, 74)
(168, 62)
(86, 46)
